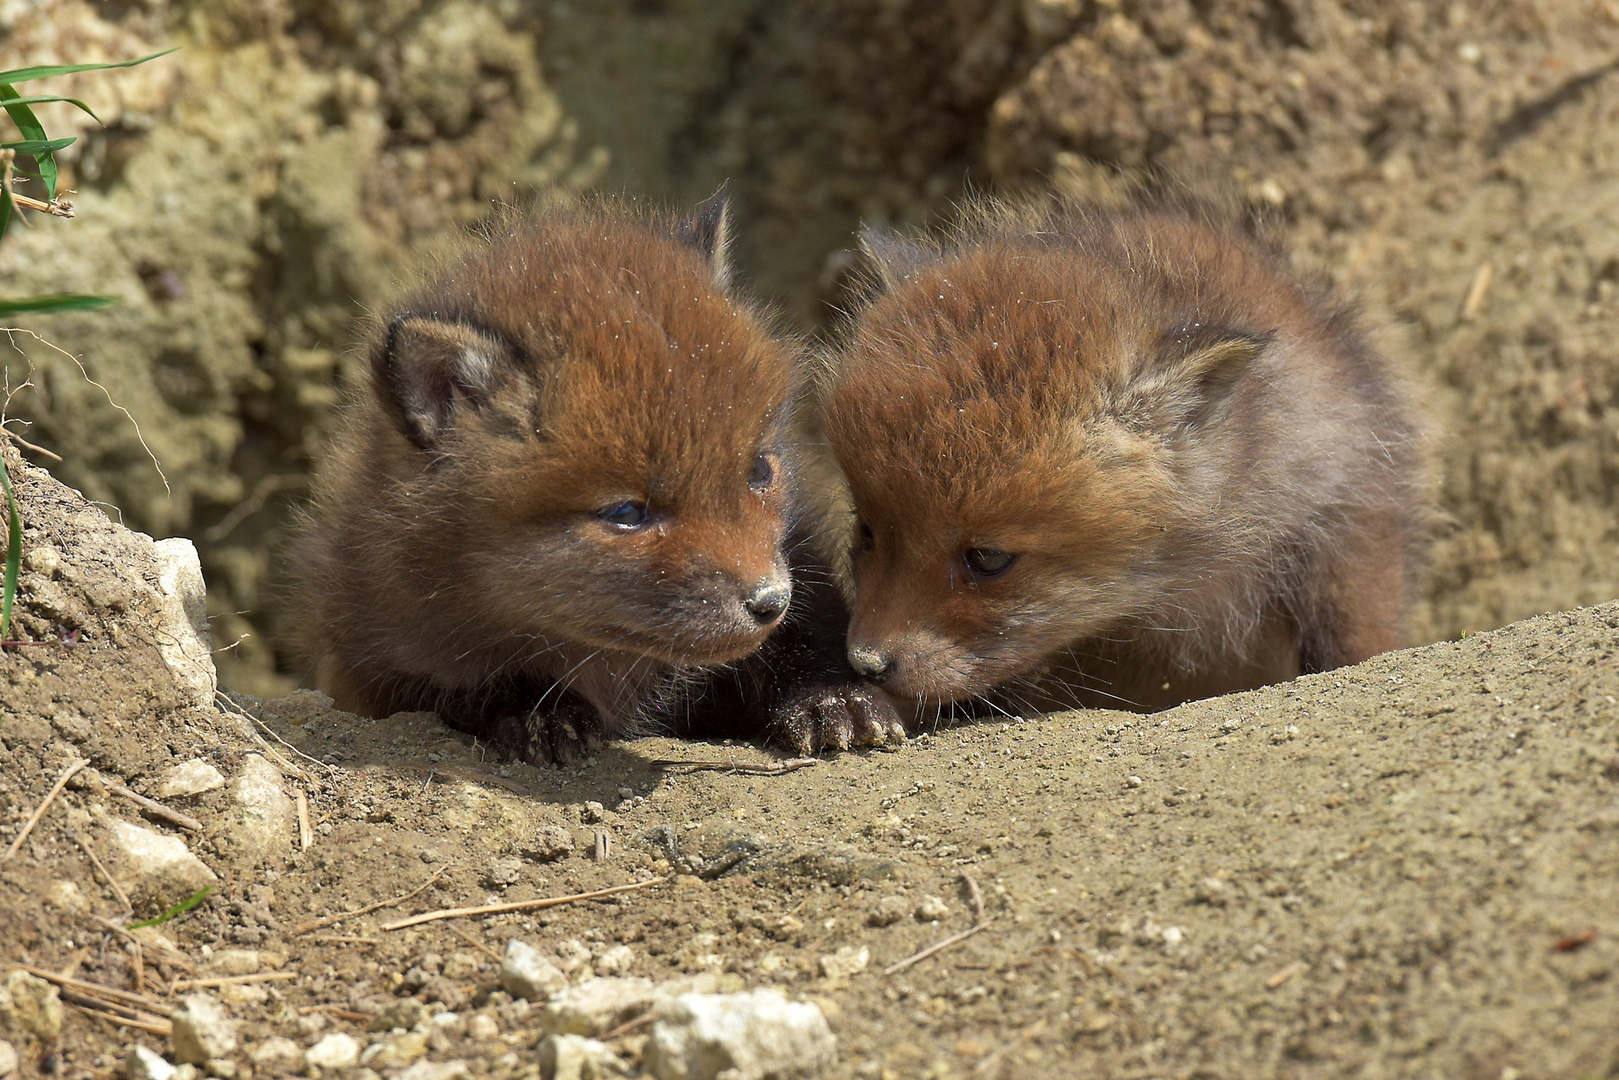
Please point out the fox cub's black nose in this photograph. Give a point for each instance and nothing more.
(767, 602)
(870, 663)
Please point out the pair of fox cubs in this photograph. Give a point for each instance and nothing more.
(1063, 457)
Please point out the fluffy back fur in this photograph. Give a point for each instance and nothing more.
(1124, 458)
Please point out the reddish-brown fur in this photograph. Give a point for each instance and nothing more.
(461, 554)
(1206, 480)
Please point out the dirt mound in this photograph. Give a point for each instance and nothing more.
(1390, 869)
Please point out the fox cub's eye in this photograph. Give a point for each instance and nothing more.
(763, 471)
(626, 515)
(864, 539)
(987, 562)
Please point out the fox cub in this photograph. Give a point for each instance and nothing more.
(560, 511)
(1112, 458)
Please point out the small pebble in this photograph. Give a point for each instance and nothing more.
(889, 910)
(931, 909)
(526, 973)
(552, 842)
(142, 1064)
(335, 1051)
(202, 1030)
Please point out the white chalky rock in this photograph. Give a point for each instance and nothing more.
(737, 1036)
(336, 1051)
(276, 1052)
(8, 1059)
(202, 1030)
(437, 1070)
(847, 961)
(265, 818)
(156, 871)
(574, 1057)
(144, 1064)
(596, 1006)
(182, 633)
(189, 778)
(526, 973)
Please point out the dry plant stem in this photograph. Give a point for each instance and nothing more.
(39, 811)
(233, 980)
(123, 897)
(976, 896)
(149, 1024)
(937, 946)
(56, 207)
(121, 997)
(328, 920)
(1282, 976)
(630, 1025)
(26, 445)
(520, 905)
(1474, 302)
(84, 372)
(980, 920)
(476, 944)
(306, 833)
(768, 768)
(338, 1011)
(226, 703)
(152, 806)
(990, 1062)
(244, 509)
(356, 939)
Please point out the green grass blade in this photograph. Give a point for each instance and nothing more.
(178, 909)
(46, 99)
(33, 131)
(5, 210)
(18, 75)
(13, 553)
(56, 302)
(35, 148)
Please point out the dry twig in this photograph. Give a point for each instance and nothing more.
(39, 811)
(328, 920)
(123, 897)
(519, 905)
(980, 920)
(306, 832)
(143, 1002)
(937, 946)
(151, 806)
(232, 980)
(1474, 301)
(756, 768)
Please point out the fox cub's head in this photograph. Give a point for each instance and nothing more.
(1017, 414)
(595, 432)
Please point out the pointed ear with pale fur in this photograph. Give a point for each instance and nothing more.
(1187, 383)
(425, 367)
(895, 256)
(707, 231)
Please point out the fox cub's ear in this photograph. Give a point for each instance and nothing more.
(707, 230)
(423, 366)
(1188, 381)
(895, 256)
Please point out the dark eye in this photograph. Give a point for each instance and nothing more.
(987, 562)
(864, 540)
(626, 515)
(763, 471)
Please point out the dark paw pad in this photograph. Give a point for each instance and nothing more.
(837, 718)
(561, 736)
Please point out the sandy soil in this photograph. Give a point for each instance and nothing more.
(1404, 868)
